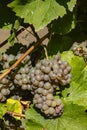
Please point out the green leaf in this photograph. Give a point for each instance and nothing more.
(11, 38)
(7, 17)
(77, 63)
(3, 110)
(63, 25)
(71, 4)
(77, 91)
(17, 24)
(76, 94)
(59, 44)
(38, 12)
(73, 118)
(39, 121)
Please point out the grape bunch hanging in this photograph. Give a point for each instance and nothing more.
(46, 77)
(43, 80)
(15, 80)
(80, 49)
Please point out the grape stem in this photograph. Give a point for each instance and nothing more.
(23, 56)
(15, 114)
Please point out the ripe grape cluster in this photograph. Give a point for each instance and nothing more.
(46, 77)
(19, 78)
(42, 80)
(22, 76)
(7, 60)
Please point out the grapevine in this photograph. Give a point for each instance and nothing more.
(43, 65)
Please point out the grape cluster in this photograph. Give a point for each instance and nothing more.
(6, 86)
(7, 59)
(80, 49)
(42, 80)
(22, 76)
(18, 78)
(46, 77)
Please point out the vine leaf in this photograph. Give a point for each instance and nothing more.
(77, 91)
(77, 94)
(3, 110)
(14, 106)
(63, 25)
(11, 38)
(73, 118)
(61, 43)
(77, 63)
(7, 17)
(71, 4)
(38, 12)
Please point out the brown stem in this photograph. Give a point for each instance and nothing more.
(23, 56)
(15, 114)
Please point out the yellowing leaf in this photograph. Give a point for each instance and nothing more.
(14, 106)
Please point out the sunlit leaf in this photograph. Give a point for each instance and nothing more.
(38, 12)
(14, 106)
(73, 118)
